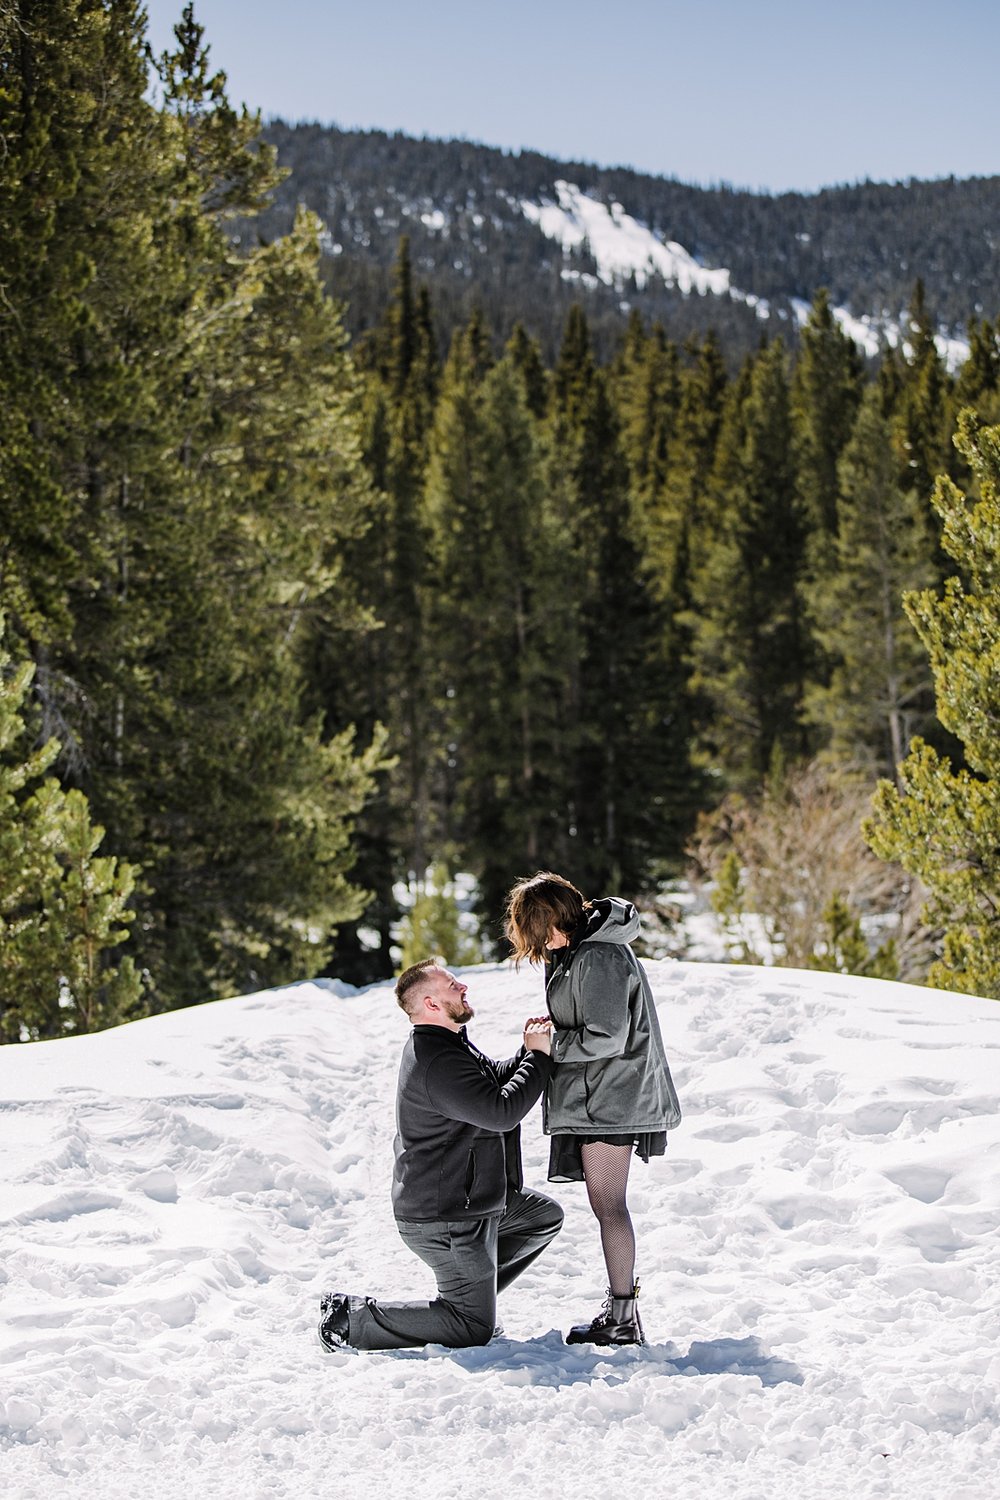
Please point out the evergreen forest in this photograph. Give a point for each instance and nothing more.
(297, 617)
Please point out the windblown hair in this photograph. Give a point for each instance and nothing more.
(409, 979)
(537, 905)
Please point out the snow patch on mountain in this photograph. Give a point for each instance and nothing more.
(620, 244)
(873, 334)
(623, 247)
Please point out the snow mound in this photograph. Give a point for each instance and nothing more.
(818, 1251)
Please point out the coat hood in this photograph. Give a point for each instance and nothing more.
(610, 920)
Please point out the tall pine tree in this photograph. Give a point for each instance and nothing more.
(620, 732)
(195, 424)
(496, 622)
(826, 390)
(64, 911)
(941, 823)
(878, 693)
(750, 652)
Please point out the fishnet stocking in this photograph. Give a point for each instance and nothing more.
(605, 1171)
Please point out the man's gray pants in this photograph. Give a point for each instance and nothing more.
(472, 1259)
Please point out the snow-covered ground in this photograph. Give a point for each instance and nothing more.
(819, 1252)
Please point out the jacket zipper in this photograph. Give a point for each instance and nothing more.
(470, 1177)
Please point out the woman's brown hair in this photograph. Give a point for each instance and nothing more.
(534, 907)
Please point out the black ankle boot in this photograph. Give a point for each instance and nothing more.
(618, 1322)
(334, 1323)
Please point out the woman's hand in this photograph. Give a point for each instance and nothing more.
(538, 1034)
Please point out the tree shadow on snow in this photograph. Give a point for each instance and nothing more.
(548, 1360)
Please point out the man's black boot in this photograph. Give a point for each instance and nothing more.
(618, 1322)
(334, 1324)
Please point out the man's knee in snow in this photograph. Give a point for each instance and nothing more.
(472, 1334)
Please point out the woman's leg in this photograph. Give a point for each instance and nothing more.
(605, 1170)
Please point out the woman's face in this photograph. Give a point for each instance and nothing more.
(556, 939)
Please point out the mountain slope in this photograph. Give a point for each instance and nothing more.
(818, 1250)
(480, 220)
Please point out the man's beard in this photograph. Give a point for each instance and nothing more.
(459, 1011)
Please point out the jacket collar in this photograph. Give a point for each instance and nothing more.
(455, 1038)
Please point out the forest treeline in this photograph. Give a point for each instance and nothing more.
(287, 621)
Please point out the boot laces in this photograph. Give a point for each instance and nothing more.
(604, 1317)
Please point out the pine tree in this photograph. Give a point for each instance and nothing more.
(271, 510)
(413, 380)
(978, 382)
(673, 520)
(645, 386)
(412, 376)
(459, 598)
(63, 911)
(620, 732)
(826, 390)
(843, 949)
(495, 620)
(87, 913)
(197, 419)
(380, 676)
(669, 520)
(27, 868)
(879, 685)
(750, 652)
(72, 120)
(433, 925)
(625, 824)
(667, 435)
(940, 823)
(575, 369)
(526, 358)
(923, 417)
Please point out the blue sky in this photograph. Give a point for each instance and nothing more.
(759, 93)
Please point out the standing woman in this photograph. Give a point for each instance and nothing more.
(611, 1092)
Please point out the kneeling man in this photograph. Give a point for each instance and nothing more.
(457, 1190)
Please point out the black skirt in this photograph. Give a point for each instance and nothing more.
(566, 1163)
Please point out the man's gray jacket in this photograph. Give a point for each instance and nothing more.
(458, 1115)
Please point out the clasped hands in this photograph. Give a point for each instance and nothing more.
(538, 1034)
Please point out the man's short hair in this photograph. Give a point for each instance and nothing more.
(409, 980)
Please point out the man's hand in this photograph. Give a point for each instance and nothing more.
(538, 1035)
